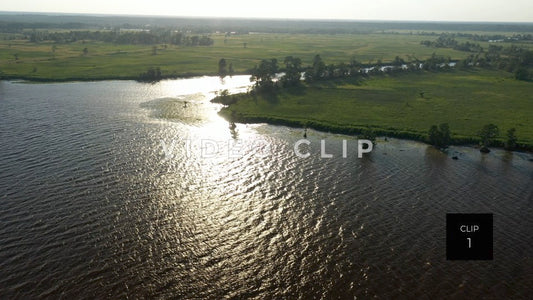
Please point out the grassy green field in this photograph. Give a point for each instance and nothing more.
(112, 61)
(466, 100)
(392, 105)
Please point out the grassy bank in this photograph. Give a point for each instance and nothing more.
(395, 105)
(48, 61)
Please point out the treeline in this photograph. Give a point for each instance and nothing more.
(19, 27)
(122, 37)
(512, 59)
(516, 60)
(10, 23)
(446, 41)
(482, 37)
(266, 73)
(498, 37)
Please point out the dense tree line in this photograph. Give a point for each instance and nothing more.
(19, 27)
(267, 75)
(499, 37)
(202, 25)
(125, 37)
(511, 59)
(482, 37)
(446, 41)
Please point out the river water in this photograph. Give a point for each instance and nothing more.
(92, 207)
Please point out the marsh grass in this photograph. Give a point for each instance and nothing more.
(392, 105)
(114, 61)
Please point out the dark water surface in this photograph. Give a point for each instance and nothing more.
(90, 206)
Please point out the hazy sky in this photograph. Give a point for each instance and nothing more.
(440, 10)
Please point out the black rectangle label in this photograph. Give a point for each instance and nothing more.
(469, 237)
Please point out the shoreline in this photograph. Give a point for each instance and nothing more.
(186, 75)
(302, 123)
(355, 130)
(401, 106)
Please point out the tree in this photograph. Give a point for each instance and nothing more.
(488, 133)
(439, 136)
(343, 70)
(398, 61)
(521, 74)
(224, 93)
(354, 67)
(292, 71)
(329, 71)
(33, 38)
(263, 74)
(434, 135)
(151, 75)
(510, 143)
(317, 71)
(230, 70)
(368, 134)
(222, 68)
(223, 97)
(445, 134)
(355, 63)
(195, 40)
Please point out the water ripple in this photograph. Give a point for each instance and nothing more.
(91, 209)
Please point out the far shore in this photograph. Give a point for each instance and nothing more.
(108, 78)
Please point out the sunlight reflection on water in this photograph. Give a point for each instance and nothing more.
(90, 207)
